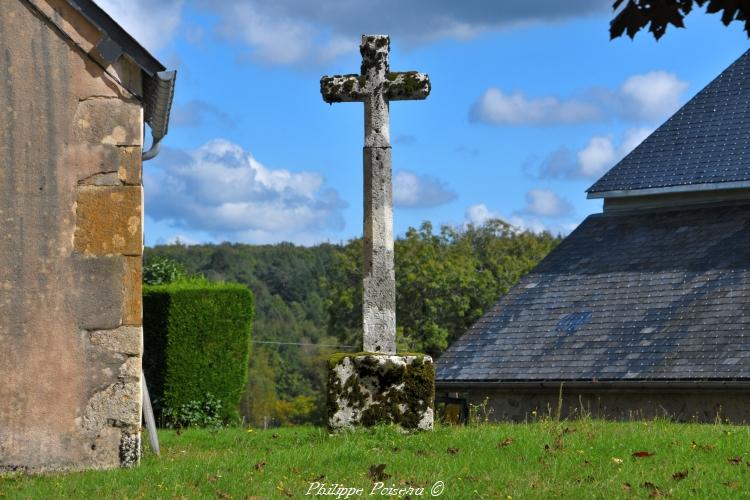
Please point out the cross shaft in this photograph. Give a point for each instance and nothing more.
(376, 85)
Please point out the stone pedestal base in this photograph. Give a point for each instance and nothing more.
(368, 389)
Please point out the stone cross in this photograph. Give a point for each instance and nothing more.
(376, 86)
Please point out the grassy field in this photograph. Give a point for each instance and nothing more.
(577, 459)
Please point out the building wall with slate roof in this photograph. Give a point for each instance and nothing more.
(644, 309)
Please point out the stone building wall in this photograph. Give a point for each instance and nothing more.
(71, 219)
(683, 405)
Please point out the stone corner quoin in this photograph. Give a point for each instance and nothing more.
(72, 199)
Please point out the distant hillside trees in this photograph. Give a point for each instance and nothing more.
(310, 298)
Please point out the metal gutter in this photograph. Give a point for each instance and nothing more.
(687, 188)
(158, 93)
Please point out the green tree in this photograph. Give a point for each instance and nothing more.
(658, 14)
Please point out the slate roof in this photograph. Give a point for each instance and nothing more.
(656, 296)
(705, 142)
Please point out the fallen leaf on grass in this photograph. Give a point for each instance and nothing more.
(587, 479)
(735, 460)
(680, 475)
(505, 442)
(559, 443)
(453, 451)
(654, 490)
(702, 447)
(626, 487)
(260, 465)
(643, 454)
(377, 472)
(282, 489)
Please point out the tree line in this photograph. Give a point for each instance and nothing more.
(309, 300)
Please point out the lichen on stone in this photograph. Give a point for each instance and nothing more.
(130, 449)
(368, 389)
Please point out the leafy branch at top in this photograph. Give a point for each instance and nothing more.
(658, 14)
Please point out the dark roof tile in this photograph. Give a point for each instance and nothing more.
(646, 305)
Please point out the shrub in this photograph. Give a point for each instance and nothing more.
(162, 270)
(196, 342)
(204, 413)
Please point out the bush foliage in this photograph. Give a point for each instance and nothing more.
(197, 342)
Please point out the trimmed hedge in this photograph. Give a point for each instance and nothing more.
(197, 342)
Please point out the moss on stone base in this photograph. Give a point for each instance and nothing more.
(368, 389)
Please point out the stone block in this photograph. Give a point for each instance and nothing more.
(98, 292)
(105, 120)
(368, 389)
(108, 220)
(130, 167)
(132, 308)
(126, 340)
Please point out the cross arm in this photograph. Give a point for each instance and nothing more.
(342, 88)
(407, 85)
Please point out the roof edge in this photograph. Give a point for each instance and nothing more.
(117, 39)
(685, 188)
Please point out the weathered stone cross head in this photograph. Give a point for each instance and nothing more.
(376, 86)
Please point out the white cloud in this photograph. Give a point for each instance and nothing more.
(411, 190)
(596, 156)
(515, 109)
(153, 24)
(594, 159)
(479, 214)
(650, 96)
(279, 39)
(223, 190)
(546, 203)
(304, 32)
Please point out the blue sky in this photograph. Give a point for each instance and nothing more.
(531, 103)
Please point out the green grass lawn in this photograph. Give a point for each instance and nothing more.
(576, 459)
